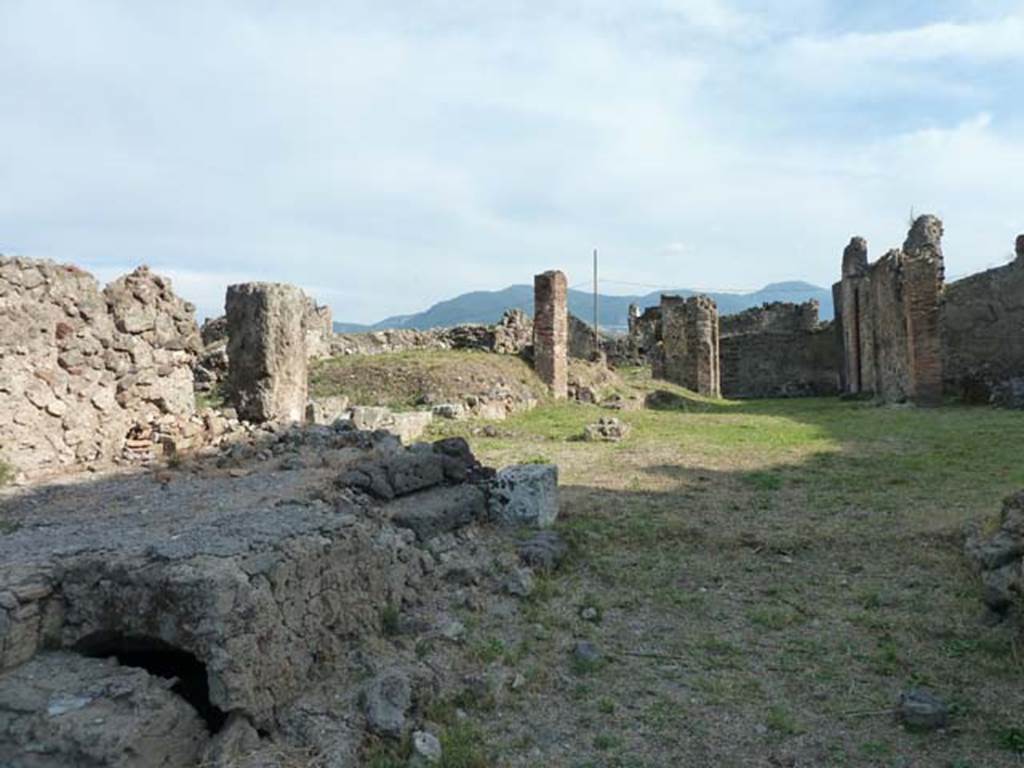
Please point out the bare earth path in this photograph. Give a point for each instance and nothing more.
(761, 580)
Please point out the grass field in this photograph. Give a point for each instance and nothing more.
(767, 577)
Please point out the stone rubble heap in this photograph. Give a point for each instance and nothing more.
(999, 557)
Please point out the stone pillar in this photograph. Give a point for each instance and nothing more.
(690, 339)
(1019, 249)
(551, 331)
(853, 296)
(268, 375)
(923, 274)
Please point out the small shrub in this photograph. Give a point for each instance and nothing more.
(1011, 738)
(463, 747)
(390, 620)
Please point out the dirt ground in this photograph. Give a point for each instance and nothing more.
(761, 581)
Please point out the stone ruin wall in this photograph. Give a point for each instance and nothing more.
(982, 335)
(86, 373)
(773, 317)
(888, 313)
(690, 344)
(907, 336)
(779, 350)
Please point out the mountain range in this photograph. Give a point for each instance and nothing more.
(486, 307)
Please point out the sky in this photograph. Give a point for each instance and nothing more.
(388, 155)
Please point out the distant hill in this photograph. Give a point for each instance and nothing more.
(486, 307)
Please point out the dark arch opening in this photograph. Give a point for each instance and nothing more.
(161, 659)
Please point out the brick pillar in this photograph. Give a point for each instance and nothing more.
(923, 275)
(853, 302)
(551, 331)
(267, 374)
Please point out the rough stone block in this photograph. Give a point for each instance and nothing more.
(525, 494)
(267, 351)
(438, 510)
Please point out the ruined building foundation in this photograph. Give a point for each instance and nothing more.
(551, 331)
(268, 361)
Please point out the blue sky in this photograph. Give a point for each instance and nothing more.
(388, 155)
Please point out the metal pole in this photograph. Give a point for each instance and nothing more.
(597, 334)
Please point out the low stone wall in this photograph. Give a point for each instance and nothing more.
(81, 367)
(512, 335)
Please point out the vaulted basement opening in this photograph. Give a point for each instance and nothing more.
(160, 659)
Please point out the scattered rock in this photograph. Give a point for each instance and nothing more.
(608, 429)
(453, 631)
(525, 494)
(920, 710)
(520, 582)
(545, 550)
(387, 700)
(590, 614)
(585, 652)
(426, 750)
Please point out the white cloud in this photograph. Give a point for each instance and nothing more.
(386, 159)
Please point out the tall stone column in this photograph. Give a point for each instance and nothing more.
(551, 331)
(1019, 249)
(853, 300)
(268, 374)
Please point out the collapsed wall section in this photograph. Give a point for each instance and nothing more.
(81, 367)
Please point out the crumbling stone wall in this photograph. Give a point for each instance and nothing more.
(773, 317)
(779, 350)
(582, 344)
(80, 368)
(690, 342)
(513, 335)
(982, 332)
(889, 315)
(551, 331)
(268, 373)
(797, 364)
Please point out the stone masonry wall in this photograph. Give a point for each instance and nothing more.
(767, 364)
(268, 360)
(982, 330)
(774, 317)
(889, 314)
(551, 330)
(690, 340)
(779, 350)
(81, 367)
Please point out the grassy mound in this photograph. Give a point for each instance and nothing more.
(405, 379)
